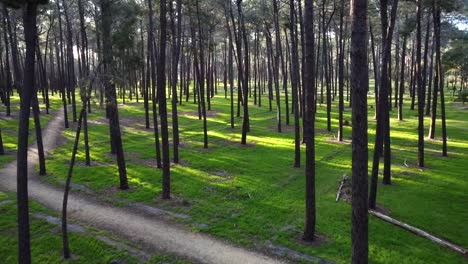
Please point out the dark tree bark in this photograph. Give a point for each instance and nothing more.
(359, 87)
(8, 87)
(84, 40)
(200, 69)
(2, 149)
(419, 81)
(438, 80)
(60, 66)
(66, 245)
(309, 91)
(431, 74)
(341, 73)
(152, 69)
(230, 67)
(111, 99)
(30, 37)
(376, 69)
(278, 57)
(397, 65)
(70, 61)
(166, 180)
(245, 79)
(294, 84)
(402, 81)
(382, 137)
(37, 127)
(176, 46)
(17, 76)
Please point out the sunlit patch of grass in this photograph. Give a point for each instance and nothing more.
(262, 197)
(9, 125)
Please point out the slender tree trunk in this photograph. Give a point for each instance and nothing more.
(114, 123)
(161, 81)
(341, 73)
(429, 89)
(294, 84)
(245, 79)
(438, 80)
(70, 63)
(66, 245)
(152, 69)
(402, 81)
(420, 85)
(230, 67)
(176, 44)
(8, 87)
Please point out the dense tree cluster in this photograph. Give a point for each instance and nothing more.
(297, 55)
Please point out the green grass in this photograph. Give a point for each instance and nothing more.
(251, 195)
(9, 125)
(46, 240)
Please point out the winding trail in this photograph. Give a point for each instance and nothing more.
(127, 223)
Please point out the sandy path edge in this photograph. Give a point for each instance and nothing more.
(153, 233)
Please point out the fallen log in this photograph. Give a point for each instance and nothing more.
(420, 232)
(342, 182)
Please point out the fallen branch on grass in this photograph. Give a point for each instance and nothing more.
(420, 232)
(342, 182)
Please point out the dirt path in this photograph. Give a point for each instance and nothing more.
(152, 233)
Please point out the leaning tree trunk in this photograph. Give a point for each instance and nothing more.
(66, 245)
(114, 123)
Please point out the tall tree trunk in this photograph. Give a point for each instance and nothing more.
(200, 69)
(70, 63)
(30, 37)
(231, 67)
(152, 70)
(111, 99)
(176, 45)
(294, 84)
(383, 123)
(309, 91)
(166, 180)
(359, 88)
(420, 85)
(245, 79)
(438, 80)
(341, 73)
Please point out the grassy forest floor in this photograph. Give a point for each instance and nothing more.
(252, 196)
(9, 125)
(89, 245)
